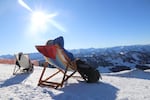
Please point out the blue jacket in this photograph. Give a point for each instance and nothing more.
(60, 42)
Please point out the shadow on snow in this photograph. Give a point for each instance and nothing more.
(86, 91)
(15, 79)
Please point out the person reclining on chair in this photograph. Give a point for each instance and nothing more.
(88, 72)
(60, 41)
(24, 62)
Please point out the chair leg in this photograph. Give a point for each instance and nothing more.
(62, 82)
(52, 75)
(66, 77)
(16, 70)
(40, 80)
(55, 85)
(70, 75)
(45, 81)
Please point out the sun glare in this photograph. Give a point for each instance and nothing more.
(39, 18)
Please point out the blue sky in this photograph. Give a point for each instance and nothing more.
(82, 23)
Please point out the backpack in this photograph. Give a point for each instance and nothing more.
(87, 72)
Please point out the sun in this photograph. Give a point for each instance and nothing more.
(39, 19)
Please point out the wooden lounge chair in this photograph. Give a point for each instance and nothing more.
(55, 55)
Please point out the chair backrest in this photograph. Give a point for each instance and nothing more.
(23, 60)
(56, 56)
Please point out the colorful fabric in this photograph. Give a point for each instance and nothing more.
(48, 51)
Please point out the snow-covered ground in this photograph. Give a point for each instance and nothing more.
(127, 85)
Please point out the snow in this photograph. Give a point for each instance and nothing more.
(126, 85)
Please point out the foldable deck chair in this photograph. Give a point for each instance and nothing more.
(55, 55)
(23, 64)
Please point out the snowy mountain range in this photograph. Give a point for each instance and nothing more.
(126, 57)
(117, 58)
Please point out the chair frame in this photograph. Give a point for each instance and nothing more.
(48, 82)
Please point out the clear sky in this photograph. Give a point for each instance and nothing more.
(82, 23)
